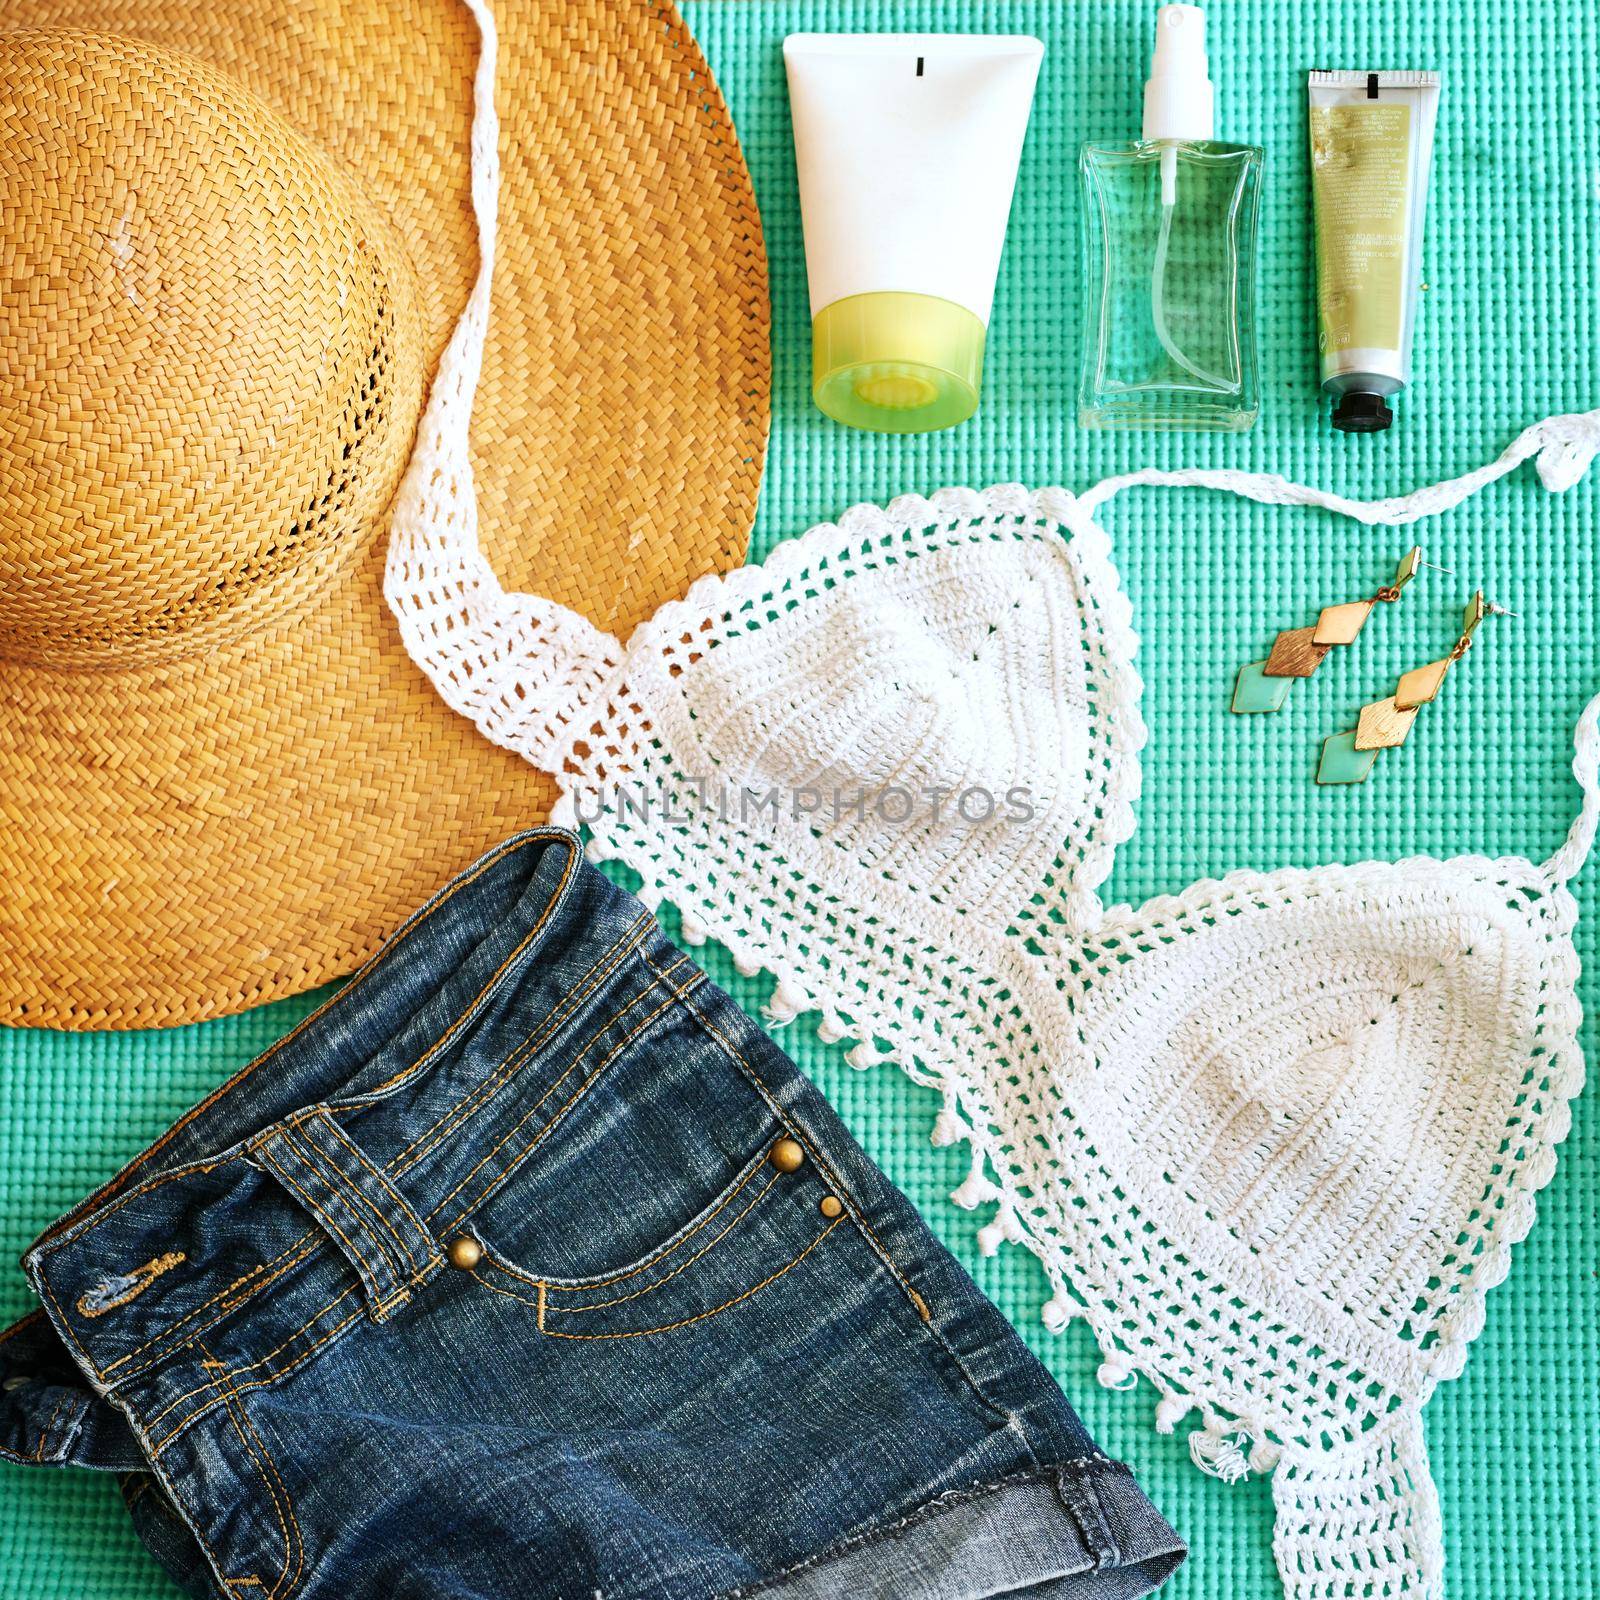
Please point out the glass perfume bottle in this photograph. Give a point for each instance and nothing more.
(1169, 247)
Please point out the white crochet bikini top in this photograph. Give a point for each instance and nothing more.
(1272, 1137)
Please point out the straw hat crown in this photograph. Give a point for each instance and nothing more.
(212, 386)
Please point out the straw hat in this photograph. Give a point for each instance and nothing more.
(237, 237)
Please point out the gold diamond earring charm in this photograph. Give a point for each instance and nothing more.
(1298, 652)
(1349, 757)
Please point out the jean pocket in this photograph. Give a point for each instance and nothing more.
(763, 1223)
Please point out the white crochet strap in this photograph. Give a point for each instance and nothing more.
(519, 666)
(1564, 446)
(1564, 864)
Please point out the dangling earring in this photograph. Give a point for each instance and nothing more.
(1298, 652)
(1349, 757)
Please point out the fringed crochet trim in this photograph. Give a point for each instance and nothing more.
(1229, 1446)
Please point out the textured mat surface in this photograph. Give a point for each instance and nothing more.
(1507, 334)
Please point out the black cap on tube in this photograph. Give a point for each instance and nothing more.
(1361, 411)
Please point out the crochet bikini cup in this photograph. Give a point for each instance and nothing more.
(1273, 1137)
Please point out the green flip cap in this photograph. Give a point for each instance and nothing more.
(896, 363)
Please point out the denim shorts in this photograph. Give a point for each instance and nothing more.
(530, 1266)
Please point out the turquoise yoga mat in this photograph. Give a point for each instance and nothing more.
(1507, 334)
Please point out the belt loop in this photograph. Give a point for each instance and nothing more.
(373, 1224)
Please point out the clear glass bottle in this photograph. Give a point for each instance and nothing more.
(1169, 256)
(1169, 286)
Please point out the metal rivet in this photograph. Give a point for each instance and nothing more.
(787, 1155)
(465, 1252)
(830, 1205)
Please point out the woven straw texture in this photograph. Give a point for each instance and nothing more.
(220, 777)
(1508, 334)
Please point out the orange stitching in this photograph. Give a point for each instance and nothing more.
(189, 1316)
(420, 1277)
(65, 1325)
(541, 1308)
(656, 1256)
(305, 1355)
(822, 1162)
(548, 1128)
(674, 1245)
(387, 1188)
(641, 1333)
(402, 1261)
(283, 1344)
(382, 1301)
(21, 1323)
(293, 1546)
(614, 957)
(416, 1280)
(309, 1238)
(191, 1169)
(543, 1132)
(513, 1062)
(160, 1504)
(619, 952)
(86, 1208)
(140, 1279)
(667, 1277)
(321, 1160)
(889, 1262)
(511, 1294)
(322, 1214)
(582, 1090)
(522, 946)
(170, 1502)
(44, 1437)
(291, 1583)
(257, 1383)
(305, 1239)
(200, 1411)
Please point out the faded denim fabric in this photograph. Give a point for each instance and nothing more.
(488, 1281)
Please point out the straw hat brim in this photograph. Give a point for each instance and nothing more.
(195, 839)
(187, 839)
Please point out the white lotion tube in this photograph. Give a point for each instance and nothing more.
(1371, 148)
(907, 146)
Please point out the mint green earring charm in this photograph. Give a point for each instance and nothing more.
(1349, 757)
(1342, 762)
(1298, 652)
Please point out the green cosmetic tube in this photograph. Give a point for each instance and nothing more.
(1371, 147)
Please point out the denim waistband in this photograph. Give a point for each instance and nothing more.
(367, 1135)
